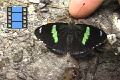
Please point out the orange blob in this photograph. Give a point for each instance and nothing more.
(83, 8)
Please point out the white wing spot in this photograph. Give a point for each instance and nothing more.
(40, 29)
(101, 33)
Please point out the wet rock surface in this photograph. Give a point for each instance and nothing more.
(23, 57)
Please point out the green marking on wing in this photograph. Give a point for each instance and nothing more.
(86, 36)
(54, 34)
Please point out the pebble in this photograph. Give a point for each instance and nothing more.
(111, 38)
(15, 34)
(45, 1)
(118, 48)
(17, 57)
(22, 76)
(34, 1)
(118, 35)
(25, 1)
(41, 5)
(3, 35)
(116, 21)
(11, 75)
(6, 45)
(44, 10)
(31, 9)
(24, 38)
(116, 54)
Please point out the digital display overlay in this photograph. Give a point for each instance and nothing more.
(16, 17)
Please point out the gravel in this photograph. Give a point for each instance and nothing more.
(23, 57)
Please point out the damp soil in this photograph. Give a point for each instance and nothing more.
(23, 57)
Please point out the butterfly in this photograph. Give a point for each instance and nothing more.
(77, 39)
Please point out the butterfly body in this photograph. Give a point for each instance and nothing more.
(62, 37)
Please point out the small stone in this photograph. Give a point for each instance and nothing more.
(31, 9)
(4, 34)
(116, 21)
(2, 64)
(6, 45)
(18, 56)
(34, 1)
(118, 35)
(44, 10)
(26, 31)
(22, 76)
(15, 34)
(1, 53)
(11, 75)
(111, 38)
(16, 66)
(118, 48)
(41, 5)
(25, 60)
(25, 1)
(116, 54)
(45, 1)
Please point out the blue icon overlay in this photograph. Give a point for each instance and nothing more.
(17, 17)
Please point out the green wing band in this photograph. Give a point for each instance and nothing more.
(54, 34)
(86, 36)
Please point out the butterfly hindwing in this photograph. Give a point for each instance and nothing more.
(85, 38)
(53, 35)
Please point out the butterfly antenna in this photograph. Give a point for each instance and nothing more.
(80, 9)
(72, 19)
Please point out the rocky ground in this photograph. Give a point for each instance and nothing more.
(23, 57)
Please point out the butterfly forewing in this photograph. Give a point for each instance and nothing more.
(53, 35)
(85, 38)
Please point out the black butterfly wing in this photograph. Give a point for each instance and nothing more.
(54, 36)
(85, 38)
